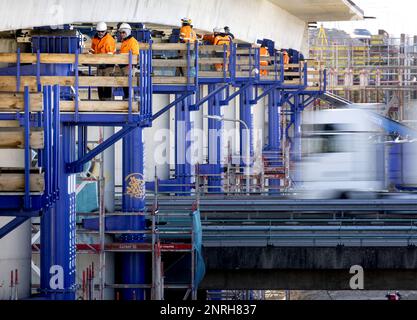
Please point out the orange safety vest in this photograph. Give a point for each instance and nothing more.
(263, 52)
(221, 40)
(130, 44)
(187, 34)
(209, 38)
(286, 58)
(107, 44)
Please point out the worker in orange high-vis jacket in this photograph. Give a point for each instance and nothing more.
(129, 44)
(221, 39)
(263, 53)
(286, 58)
(187, 33)
(286, 61)
(103, 43)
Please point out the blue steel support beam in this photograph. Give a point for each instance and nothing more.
(58, 226)
(214, 141)
(238, 92)
(297, 128)
(133, 264)
(266, 92)
(211, 94)
(245, 110)
(183, 144)
(12, 225)
(74, 166)
(274, 134)
(296, 141)
(27, 202)
(172, 104)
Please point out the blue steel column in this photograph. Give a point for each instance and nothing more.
(274, 134)
(133, 264)
(296, 142)
(297, 128)
(46, 254)
(245, 110)
(65, 216)
(183, 145)
(214, 143)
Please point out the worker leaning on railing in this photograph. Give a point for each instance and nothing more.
(103, 43)
(263, 53)
(219, 37)
(187, 35)
(129, 44)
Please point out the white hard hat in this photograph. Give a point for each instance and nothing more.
(101, 26)
(186, 20)
(217, 30)
(125, 26)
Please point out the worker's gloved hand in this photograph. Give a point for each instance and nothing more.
(91, 51)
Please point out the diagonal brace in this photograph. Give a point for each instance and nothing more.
(73, 166)
(12, 225)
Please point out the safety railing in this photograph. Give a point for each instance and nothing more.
(123, 75)
(175, 64)
(215, 63)
(271, 68)
(246, 62)
(35, 130)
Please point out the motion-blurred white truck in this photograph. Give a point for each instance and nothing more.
(340, 156)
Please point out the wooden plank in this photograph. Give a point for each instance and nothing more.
(107, 59)
(292, 74)
(293, 65)
(98, 106)
(245, 52)
(292, 82)
(208, 61)
(12, 138)
(213, 74)
(8, 83)
(169, 63)
(278, 68)
(68, 58)
(15, 182)
(106, 81)
(210, 49)
(171, 80)
(9, 123)
(270, 77)
(243, 74)
(171, 46)
(12, 102)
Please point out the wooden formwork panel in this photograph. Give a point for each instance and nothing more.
(15, 182)
(13, 138)
(98, 106)
(13, 102)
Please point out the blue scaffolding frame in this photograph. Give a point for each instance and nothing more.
(60, 160)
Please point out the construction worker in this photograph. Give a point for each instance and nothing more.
(103, 43)
(209, 38)
(227, 32)
(187, 33)
(286, 58)
(129, 44)
(286, 61)
(263, 53)
(221, 39)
